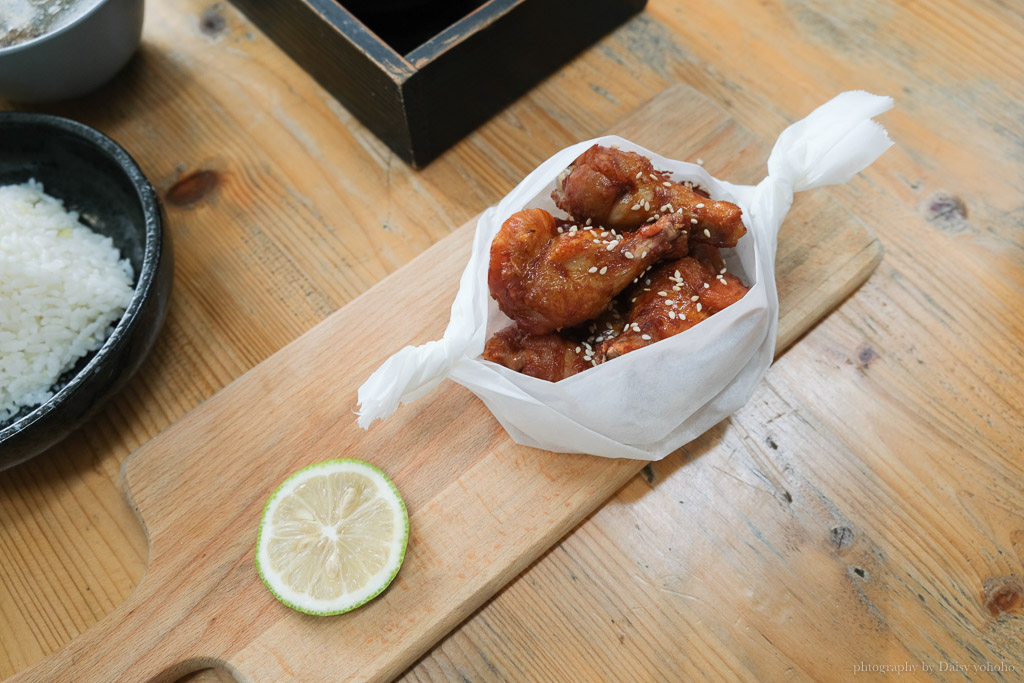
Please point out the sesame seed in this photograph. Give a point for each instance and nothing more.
(707, 286)
(578, 349)
(559, 231)
(722, 271)
(677, 288)
(627, 254)
(643, 255)
(665, 207)
(669, 302)
(662, 293)
(700, 162)
(647, 205)
(693, 221)
(604, 269)
(588, 221)
(645, 337)
(672, 314)
(653, 177)
(700, 206)
(698, 307)
(647, 281)
(679, 210)
(593, 269)
(636, 207)
(682, 316)
(667, 184)
(639, 174)
(707, 233)
(604, 234)
(636, 328)
(677, 275)
(694, 298)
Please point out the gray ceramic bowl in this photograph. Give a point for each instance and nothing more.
(94, 176)
(74, 59)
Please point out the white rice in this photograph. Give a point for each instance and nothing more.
(63, 287)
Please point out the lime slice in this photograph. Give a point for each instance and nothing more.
(332, 537)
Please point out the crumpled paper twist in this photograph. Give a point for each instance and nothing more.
(647, 403)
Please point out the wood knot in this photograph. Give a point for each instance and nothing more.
(946, 211)
(648, 473)
(193, 187)
(841, 536)
(865, 355)
(212, 22)
(1004, 594)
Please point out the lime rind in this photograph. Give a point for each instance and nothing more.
(304, 473)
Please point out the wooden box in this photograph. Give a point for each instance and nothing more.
(421, 74)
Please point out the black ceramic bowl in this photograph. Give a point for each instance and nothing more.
(94, 176)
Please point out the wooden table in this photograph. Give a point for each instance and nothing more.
(862, 512)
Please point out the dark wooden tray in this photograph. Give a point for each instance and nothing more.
(475, 57)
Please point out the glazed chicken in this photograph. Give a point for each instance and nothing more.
(622, 190)
(635, 261)
(547, 276)
(545, 356)
(673, 297)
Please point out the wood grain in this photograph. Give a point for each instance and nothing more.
(864, 508)
(895, 423)
(481, 507)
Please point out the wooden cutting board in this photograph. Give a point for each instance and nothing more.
(481, 507)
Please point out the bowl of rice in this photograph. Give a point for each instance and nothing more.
(85, 277)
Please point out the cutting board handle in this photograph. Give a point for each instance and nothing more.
(143, 639)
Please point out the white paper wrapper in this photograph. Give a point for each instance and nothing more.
(647, 403)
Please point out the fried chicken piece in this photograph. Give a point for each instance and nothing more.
(722, 291)
(544, 356)
(605, 326)
(622, 190)
(673, 297)
(547, 280)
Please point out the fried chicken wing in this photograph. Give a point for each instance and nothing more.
(544, 356)
(673, 297)
(547, 277)
(622, 190)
